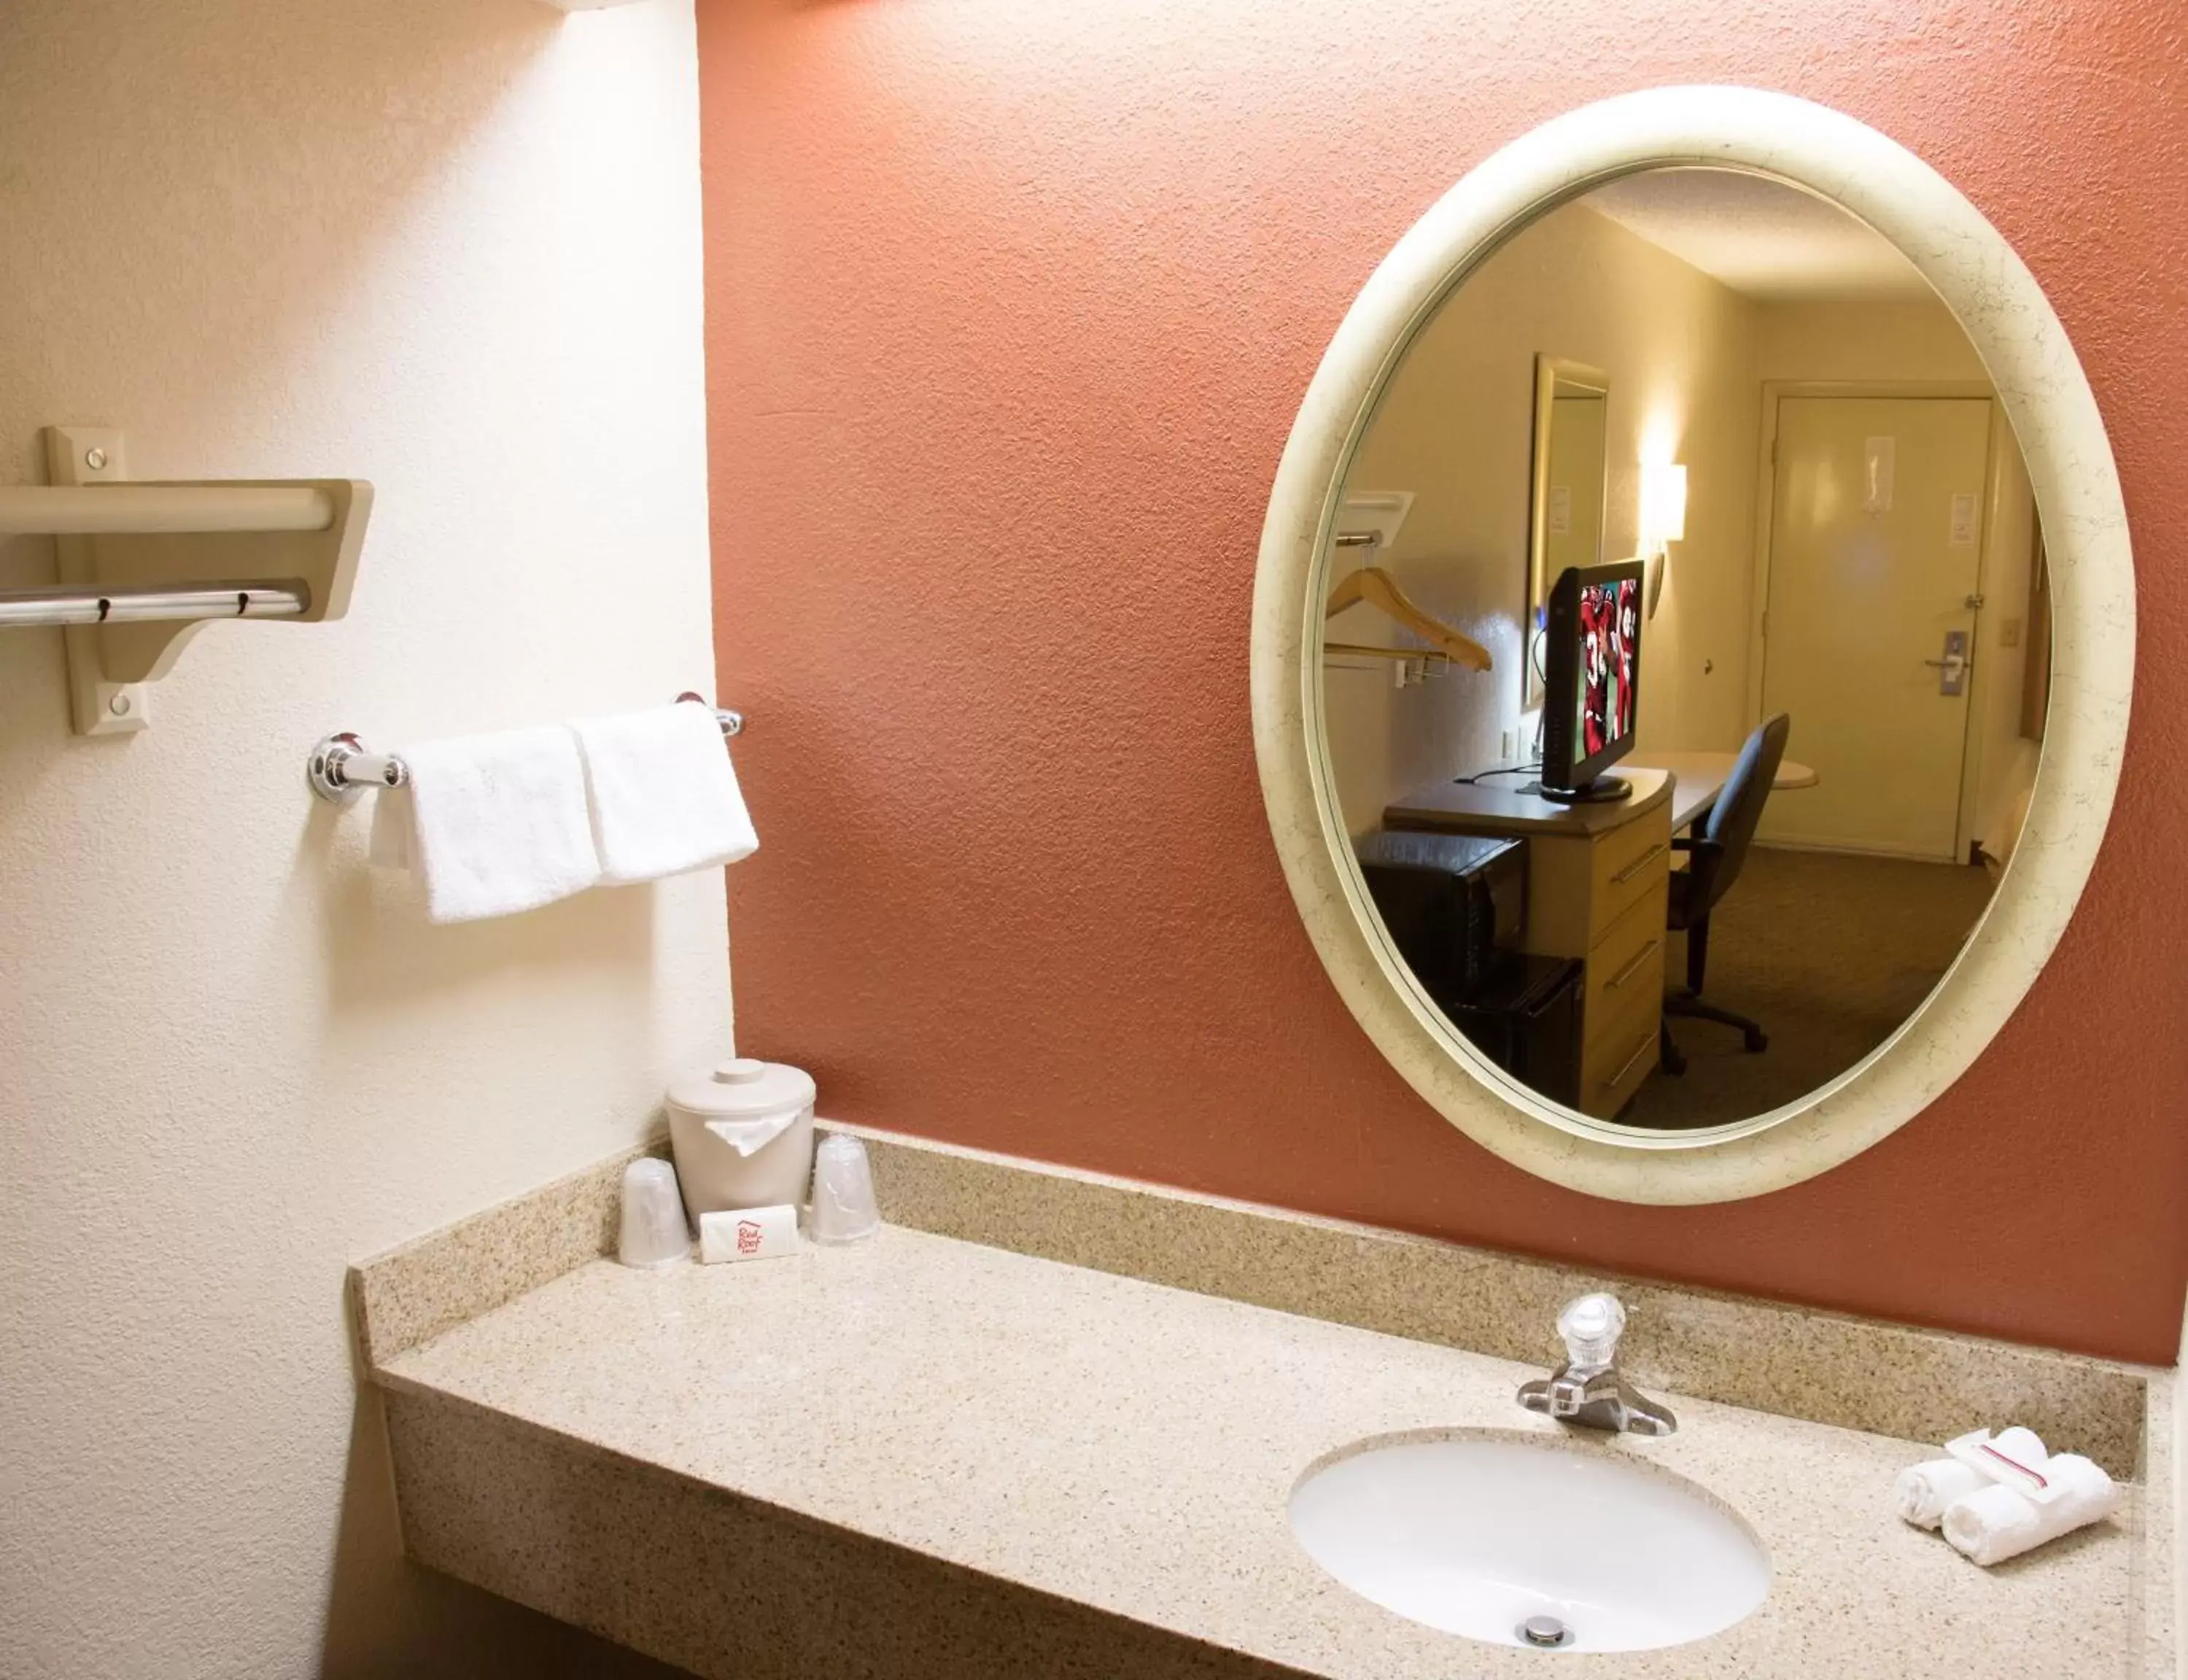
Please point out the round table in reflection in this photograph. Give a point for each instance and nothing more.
(1708, 771)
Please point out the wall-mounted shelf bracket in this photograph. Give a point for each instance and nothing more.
(142, 565)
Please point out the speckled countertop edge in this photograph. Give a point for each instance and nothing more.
(1886, 1378)
(1050, 1425)
(408, 1294)
(2156, 1581)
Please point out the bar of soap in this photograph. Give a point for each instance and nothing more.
(747, 1233)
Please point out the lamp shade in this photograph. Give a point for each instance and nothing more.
(1663, 503)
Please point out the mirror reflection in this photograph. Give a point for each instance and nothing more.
(1564, 527)
(1686, 650)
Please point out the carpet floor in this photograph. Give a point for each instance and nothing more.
(1827, 954)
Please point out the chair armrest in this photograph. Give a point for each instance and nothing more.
(1701, 872)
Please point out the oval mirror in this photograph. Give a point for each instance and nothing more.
(1691, 647)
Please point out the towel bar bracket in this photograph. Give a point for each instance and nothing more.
(340, 768)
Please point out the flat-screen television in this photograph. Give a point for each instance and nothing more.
(1591, 678)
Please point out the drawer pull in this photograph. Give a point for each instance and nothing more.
(1626, 1065)
(1633, 967)
(1638, 864)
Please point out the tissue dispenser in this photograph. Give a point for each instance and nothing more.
(742, 1132)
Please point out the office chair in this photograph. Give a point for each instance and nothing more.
(1715, 857)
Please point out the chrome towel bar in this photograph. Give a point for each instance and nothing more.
(341, 766)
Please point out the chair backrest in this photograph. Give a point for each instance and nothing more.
(1739, 807)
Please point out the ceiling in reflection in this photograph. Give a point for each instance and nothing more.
(1760, 238)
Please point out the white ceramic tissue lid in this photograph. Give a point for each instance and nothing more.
(743, 1088)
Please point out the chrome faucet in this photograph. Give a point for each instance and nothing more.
(1587, 1388)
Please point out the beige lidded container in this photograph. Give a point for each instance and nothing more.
(743, 1135)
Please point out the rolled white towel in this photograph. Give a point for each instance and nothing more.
(1995, 1522)
(1924, 1490)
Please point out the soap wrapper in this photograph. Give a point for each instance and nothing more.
(2015, 1459)
(748, 1233)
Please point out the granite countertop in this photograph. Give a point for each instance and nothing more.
(1133, 1448)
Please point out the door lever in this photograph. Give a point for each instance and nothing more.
(1953, 669)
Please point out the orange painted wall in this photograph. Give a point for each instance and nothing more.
(1010, 306)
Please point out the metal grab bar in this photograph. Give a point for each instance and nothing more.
(341, 766)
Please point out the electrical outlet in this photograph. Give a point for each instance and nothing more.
(1505, 743)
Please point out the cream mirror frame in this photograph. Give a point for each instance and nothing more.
(1555, 379)
(2046, 397)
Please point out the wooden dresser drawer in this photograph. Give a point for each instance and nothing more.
(1626, 863)
(1620, 1053)
(1628, 961)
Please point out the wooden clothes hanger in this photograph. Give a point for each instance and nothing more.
(1378, 588)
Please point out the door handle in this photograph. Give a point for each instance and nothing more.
(1953, 669)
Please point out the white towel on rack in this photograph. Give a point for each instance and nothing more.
(664, 795)
(493, 824)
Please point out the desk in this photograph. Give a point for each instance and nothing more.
(1700, 778)
(1598, 877)
(1496, 806)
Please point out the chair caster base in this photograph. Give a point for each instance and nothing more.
(1668, 1055)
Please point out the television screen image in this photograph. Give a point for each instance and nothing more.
(1609, 620)
(1592, 679)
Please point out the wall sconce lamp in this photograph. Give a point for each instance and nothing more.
(1663, 519)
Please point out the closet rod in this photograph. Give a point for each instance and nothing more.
(128, 604)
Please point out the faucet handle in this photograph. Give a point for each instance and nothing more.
(1591, 1327)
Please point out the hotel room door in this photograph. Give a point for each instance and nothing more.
(1875, 544)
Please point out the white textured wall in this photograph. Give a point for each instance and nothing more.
(451, 246)
(1912, 340)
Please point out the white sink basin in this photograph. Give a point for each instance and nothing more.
(1475, 1534)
